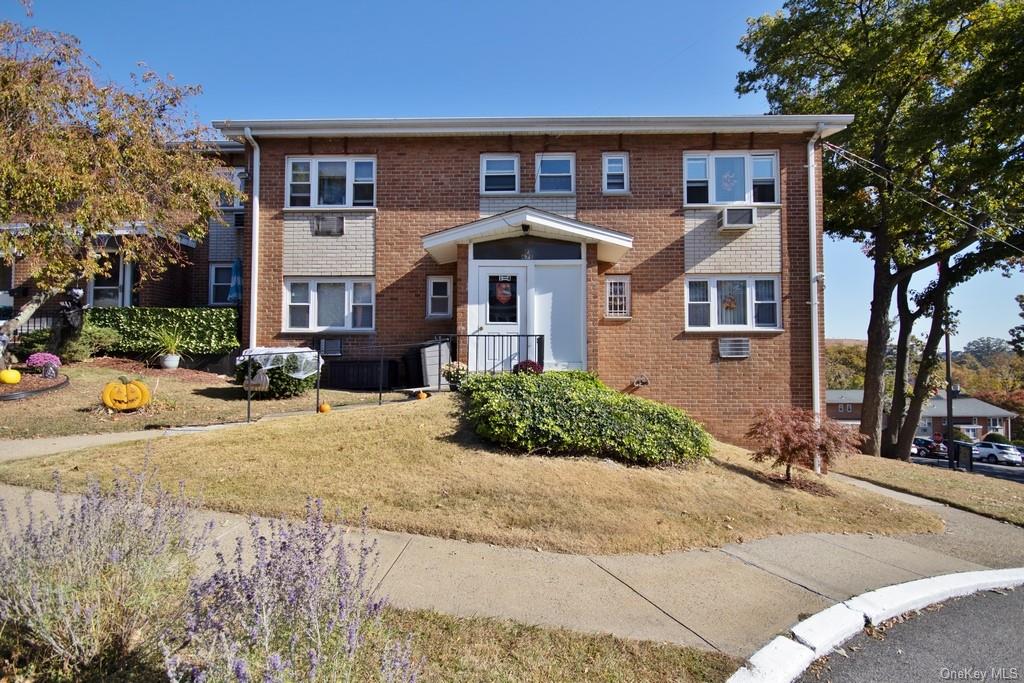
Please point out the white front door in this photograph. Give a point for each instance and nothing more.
(557, 311)
(502, 295)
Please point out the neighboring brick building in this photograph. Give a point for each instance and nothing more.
(670, 255)
(972, 416)
(844, 405)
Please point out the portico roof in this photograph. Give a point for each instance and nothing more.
(611, 244)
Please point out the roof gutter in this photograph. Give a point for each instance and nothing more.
(254, 264)
(816, 277)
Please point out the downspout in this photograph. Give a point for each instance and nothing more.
(816, 278)
(254, 265)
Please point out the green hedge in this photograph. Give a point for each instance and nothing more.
(993, 437)
(574, 413)
(206, 330)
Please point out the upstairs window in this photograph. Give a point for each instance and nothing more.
(331, 182)
(556, 173)
(499, 174)
(616, 172)
(731, 178)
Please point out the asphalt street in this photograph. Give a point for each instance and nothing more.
(977, 638)
(1008, 472)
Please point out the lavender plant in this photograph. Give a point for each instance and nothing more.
(294, 603)
(87, 590)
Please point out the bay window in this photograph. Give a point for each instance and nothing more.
(318, 304)
(330, 182)
(732, 302)
(731, 178)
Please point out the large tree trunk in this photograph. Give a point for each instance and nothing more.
(897, 413)
(24, 313)
(922, 392)
(874, 371)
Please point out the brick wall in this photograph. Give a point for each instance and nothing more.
(429, 184)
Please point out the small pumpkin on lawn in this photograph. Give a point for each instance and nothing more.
(10, 376)
(325, 407)
(125, 394)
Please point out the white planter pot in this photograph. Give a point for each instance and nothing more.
(169, 361)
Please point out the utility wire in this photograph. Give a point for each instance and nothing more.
(1006, 220)
(856, 160)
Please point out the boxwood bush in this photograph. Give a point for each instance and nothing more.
(574, 413)
(205, 330)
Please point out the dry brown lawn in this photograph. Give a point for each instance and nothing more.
(182, 397)
(480, 649)
(420, 470)
(996, 498)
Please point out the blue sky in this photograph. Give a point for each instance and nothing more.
(412, 58)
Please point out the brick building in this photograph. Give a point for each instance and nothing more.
(673, 256)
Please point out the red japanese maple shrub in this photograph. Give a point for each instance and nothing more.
(793, 437)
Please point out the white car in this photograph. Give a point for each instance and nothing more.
(1001, 453)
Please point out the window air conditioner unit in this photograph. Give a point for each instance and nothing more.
(329, 226)
(736, 219)
(330, 348)
(734, 347)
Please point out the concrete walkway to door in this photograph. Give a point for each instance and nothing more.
(732, 599)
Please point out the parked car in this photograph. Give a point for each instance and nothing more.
(929, 449)
(1001, 453)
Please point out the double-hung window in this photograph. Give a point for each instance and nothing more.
(499, 173)
(439, 296)
(615, 172)
(617, 304)
(331, 182)
(731, 178)
(556, 173)
(732, 302)
(319, 304)
(220, 284)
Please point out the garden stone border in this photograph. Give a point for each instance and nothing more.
(29, 393)
(785, 658)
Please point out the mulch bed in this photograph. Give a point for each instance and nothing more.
(135, 367)
(30, 382)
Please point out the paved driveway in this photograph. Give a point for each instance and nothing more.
(977, 638)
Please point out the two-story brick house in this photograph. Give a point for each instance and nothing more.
(635, 246)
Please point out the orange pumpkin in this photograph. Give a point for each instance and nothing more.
(421, 395)
(125, 395)
(324, 407)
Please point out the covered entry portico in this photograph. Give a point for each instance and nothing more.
(526, 277)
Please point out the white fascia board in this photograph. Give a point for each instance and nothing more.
(576, 125)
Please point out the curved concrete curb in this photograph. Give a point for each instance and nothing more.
(785, 658)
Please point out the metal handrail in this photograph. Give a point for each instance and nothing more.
(496, 353)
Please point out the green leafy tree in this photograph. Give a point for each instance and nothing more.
(1017, 333)
(987, 351)
(89, 170)
(935, 88)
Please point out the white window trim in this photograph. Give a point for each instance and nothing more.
(748, 173)
(209, 297)
(484, 158)
(995, 423)
(232, 174)
(712, 281)
(849, 407)
(625, 171)
(431, 279)
(314, 175)
(608, 280)
(313, 283)
(841, 408)
(546, 156)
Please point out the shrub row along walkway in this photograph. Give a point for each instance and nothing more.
(731, 599)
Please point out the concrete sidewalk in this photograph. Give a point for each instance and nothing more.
(732, 599)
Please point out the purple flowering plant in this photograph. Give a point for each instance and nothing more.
(38, 360)
(86, 590)
(294, 602)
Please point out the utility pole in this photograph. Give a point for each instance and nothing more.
(951, 450)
